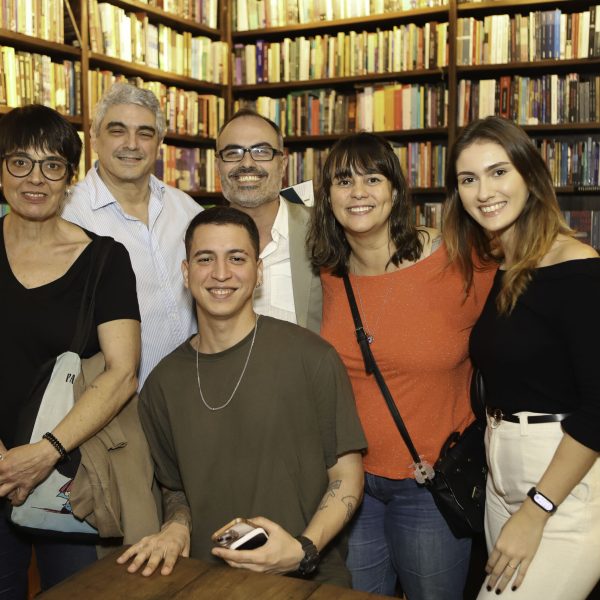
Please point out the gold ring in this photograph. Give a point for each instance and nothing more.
(511, 566)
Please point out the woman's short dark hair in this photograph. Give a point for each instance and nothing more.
(360, 153)
(43, 129)
(222, 215)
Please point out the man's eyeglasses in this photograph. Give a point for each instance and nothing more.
(258, 153)
(21, 165)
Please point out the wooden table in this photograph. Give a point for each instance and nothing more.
(192, 579)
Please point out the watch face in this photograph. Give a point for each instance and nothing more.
(543, 502)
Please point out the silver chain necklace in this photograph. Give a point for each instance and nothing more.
(237, 385)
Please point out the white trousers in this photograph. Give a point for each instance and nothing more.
(567, 563)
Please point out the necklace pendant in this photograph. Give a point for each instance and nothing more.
(370, 338)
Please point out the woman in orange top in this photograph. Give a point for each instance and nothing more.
(414, 309)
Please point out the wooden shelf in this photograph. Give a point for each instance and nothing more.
(407, 76)
(77, 120)
(33, 44)
(466, 9)
(168, 18)
(433, 191)
(135, 69)
(561, 128)
(410, 134)
(544, 65)
(188, 140)
(578, 189)
(370, 22)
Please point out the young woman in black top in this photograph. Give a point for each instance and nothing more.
(535, 343)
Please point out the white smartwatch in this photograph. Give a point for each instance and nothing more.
(542, 501)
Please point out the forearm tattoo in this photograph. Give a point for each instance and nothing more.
(351, 503)
(330, 493)
(176, 508)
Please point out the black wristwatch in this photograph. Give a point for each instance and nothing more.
(542, 501)
(311, 559)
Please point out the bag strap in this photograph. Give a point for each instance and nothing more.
(372, 368)
(101, 247)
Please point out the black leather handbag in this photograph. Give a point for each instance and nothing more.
(457, 482)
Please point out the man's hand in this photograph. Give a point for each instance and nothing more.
(281, 554)
(167, 546)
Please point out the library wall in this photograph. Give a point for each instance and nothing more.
(415, 71)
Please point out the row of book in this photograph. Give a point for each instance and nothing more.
(428, 214)
(390, 107)
(258, 14)
(423, 164)
(586, 224)
(540, 35)
(572, 162)
(205, 12)
(347, 54)
(189, 169)
(550, 99)
(38, 18)
(131, 37)
(186, 112)
(27, 78)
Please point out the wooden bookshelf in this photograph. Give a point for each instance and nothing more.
(370, 23)
(450, 75)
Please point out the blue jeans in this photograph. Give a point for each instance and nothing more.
(398, 534)
(56, 560)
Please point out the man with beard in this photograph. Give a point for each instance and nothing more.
(121, 198)
(251, 163)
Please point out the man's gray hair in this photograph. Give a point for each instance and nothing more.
(125, 93)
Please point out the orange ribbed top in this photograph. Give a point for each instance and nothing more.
(421, 323)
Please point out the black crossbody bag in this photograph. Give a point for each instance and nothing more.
(458, 482)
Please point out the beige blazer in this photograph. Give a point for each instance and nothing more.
(308, 299)
(113, 486)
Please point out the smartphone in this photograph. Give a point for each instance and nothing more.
(240, 534)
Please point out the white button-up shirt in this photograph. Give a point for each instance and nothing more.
(275, 298)
(156, 252)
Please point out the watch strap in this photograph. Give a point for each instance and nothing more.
(542, 501)
(311, 556)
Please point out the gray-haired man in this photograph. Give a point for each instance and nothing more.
(121, 197)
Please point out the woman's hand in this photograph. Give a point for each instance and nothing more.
(515, 547)
(23, 467)
(281, 554)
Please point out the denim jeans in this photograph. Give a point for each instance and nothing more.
(399, 535)
(56, 560)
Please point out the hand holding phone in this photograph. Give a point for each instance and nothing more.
(240, 534)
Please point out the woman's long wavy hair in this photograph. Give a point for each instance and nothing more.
(536, 227)
(360, 153)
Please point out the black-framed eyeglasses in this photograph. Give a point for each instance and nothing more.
(21, 165)
(258, 153)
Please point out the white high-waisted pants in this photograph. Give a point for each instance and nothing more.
(567, 563)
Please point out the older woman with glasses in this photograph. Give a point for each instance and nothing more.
(44, 265)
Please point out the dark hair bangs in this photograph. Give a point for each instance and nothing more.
(42, 129)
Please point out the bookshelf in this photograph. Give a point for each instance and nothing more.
(412, 72)
(65, 53)
(542, 57)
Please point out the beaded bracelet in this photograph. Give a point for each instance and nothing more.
(57, 446)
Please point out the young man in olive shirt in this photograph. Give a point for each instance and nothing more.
(252, 416)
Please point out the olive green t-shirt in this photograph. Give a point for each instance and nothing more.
(267, 452)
